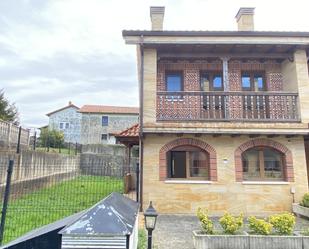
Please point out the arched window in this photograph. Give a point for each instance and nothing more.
(188, 162)
(263, 163)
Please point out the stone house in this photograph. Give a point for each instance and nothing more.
(100, 124)
(223, 117)
(68, 120)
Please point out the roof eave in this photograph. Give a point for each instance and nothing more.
(215, 37)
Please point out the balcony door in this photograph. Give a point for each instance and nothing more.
(255, 103)
(213, 102)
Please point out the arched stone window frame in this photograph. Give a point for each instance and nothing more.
(287, 168)
(163, 164)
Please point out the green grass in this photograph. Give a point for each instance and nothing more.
(56, 150)
(142, 239)
(52, 203)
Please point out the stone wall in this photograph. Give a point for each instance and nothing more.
(106, 160)
(225, 193)
(92, 129)
(72, 116)
(33, 170)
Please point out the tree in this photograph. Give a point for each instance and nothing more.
(51, 138)
(8, 111)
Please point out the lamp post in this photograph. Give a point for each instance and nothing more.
(150, 222)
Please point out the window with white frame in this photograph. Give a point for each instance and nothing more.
(64, 125)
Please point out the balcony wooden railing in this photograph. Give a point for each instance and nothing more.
(227, 106)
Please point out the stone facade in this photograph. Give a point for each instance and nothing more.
(68, 115)
(92, 128)
(227, 192)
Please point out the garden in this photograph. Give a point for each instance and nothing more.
(235, 232)
(55, 202)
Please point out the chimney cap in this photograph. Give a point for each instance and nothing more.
(70, 102)
(244, 11)
(157, 10)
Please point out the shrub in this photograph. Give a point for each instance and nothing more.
(231, 224)
(206, 223)
(259, 226)
(305, 201)
(283, 223)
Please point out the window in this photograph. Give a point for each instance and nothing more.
(174, 82)
(104, 137)
(188, 162)
(253, 81)
(104, 120)
(64, 125)
(262, 163)
(211, 82)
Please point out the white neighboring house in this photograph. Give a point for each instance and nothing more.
(100, 123)
(68, 120)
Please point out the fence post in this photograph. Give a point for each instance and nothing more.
(34, 141)
(75, 148)
(18, 140)
(6, 199)
(9, 135)
(137, 182)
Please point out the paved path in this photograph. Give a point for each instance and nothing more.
(175, 231)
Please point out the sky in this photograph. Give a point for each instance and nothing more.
(56, 51)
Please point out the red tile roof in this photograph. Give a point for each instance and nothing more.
(132, 131)
(108, 109)
(63, 108)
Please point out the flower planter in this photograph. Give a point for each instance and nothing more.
(218, 241)
(246, 241)
(275, 242)
(305, 239)
(300, 210)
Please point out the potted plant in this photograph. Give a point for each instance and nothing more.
(302, 208)
(232, 237)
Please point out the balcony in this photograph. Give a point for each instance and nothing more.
(227, 106)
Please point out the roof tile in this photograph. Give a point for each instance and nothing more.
(108, 109)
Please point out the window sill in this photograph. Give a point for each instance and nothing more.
(188, 181)
(265, 183)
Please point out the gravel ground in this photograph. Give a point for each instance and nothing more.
(175, 231)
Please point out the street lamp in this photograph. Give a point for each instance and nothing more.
(150, 222)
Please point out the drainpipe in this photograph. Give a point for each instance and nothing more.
(141, 111)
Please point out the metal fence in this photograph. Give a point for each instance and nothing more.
(49, 188)
(10, 134)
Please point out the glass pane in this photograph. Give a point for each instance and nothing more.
(198, 164)
(105, 120)
(259, 83)
(217, 82)
(173, 82)
(205, 82)
(272, 164)
(251, 170)
(245, 81)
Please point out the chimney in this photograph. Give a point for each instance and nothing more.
(245, 20)
(157, 16)
(70, 102)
